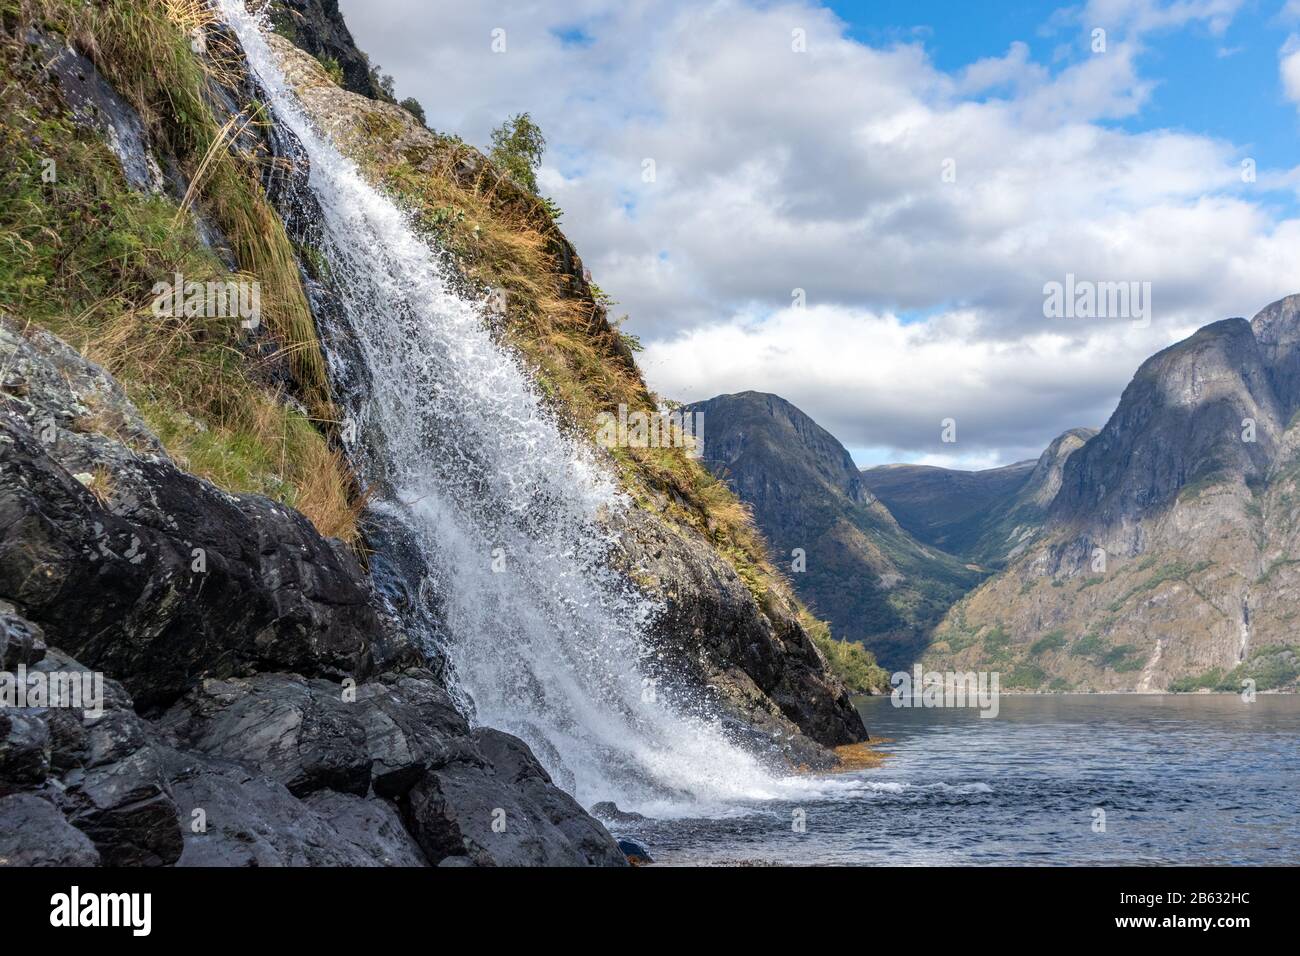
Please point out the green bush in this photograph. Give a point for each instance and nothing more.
(517, 148)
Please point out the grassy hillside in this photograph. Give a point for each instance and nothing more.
(82, 250)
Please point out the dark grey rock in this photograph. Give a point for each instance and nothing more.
(717, 650)
(372, 825)
(21, 641)
(119, 583)
(411, 726)
(318, 27)
(94, 104)
(234, 816)
(298, 732)
(24, 750)
(36, 834)
(502, 810)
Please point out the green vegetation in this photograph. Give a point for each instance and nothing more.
(1270, 667)
(1024, 677)
(997, 644)
(1177, 571)
(517, 148)
(332, 67)
(850, 662)
(1051, 641)
(412, 106)
(1123, 657)
(1195, 489)
(79, 255)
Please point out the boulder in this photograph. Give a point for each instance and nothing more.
(499, 807)
(155, 576)
(35, 833)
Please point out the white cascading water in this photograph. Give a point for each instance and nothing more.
(454, 435)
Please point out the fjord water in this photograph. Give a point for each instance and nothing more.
(450, 437)
(1198, 779)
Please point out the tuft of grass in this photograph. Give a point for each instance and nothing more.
(80, 256)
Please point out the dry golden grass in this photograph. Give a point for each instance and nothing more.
(863, 756)
(203, 392)
(101, 484)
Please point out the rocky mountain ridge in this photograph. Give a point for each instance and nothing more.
(1167, 558)
(986, 517)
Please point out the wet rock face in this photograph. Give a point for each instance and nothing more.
(496, 806)
(297, 721)
(760, 666)
(93, 103)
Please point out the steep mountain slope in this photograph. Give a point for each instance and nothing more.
(985, 517)
(943, 506)
(874, 582)
(1169, 556)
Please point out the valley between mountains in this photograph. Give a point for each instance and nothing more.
(1155, 554)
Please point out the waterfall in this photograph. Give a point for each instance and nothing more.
(543, 640)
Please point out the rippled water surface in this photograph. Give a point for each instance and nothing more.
(1182, 780)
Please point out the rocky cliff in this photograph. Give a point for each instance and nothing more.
(1167, 557)
(258, 709)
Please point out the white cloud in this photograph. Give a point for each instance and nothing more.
(1290, 69)
(823, 171)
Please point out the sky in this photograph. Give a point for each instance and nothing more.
(861, 206)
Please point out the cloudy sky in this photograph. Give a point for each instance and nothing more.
(857, 205)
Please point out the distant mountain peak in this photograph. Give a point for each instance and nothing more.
(863, 572)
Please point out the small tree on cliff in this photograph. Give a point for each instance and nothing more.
(517, 147)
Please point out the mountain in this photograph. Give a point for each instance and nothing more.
(943, 506)
(986, 517)
(862, 571)
(1169, 556)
